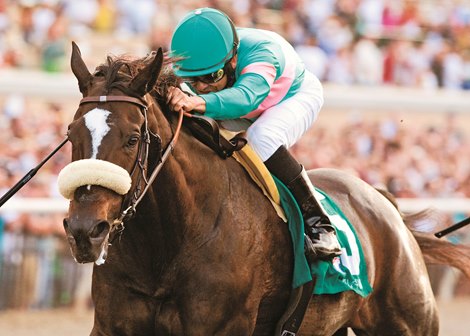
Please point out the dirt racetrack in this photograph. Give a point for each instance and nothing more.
(455, 321)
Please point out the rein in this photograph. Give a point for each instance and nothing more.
(142, 156)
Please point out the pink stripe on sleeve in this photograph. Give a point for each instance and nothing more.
(279, 90)
(265, 69)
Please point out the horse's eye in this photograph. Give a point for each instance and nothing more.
(133, 140)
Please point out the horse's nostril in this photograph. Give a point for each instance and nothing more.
(99, 229)
(66, 224)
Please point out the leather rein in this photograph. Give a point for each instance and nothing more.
(127, 211)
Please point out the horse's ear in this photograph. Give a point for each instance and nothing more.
(80, 69)
(146, 78)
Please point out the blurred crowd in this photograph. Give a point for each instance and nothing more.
(411, 159)
(368, 42)
(36, 269)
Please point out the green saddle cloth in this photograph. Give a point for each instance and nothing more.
(343, 273)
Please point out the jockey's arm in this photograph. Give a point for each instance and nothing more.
(246, 95)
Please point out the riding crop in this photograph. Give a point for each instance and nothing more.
(453, 228)
(29, 175)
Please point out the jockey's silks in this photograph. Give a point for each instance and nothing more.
(268, 71)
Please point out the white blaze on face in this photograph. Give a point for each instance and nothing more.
(95, 120)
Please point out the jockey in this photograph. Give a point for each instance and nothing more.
(254, 74)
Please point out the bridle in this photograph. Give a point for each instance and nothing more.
(129, 209)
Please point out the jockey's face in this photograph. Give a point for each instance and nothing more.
(207, 87)
(202, 87)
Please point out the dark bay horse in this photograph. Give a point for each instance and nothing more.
(199, 250)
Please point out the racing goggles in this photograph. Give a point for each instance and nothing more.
(211, 78)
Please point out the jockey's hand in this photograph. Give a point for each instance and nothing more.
(180, 101)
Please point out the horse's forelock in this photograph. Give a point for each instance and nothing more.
(118, 72)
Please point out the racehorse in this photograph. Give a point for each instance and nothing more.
(184, 241)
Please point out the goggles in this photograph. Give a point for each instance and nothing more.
(211, 78)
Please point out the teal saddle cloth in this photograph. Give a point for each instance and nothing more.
(343, 273)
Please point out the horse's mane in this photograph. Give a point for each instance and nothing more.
(118, 72)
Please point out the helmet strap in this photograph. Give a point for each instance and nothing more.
(230, 73)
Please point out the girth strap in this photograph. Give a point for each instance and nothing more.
(291, 320)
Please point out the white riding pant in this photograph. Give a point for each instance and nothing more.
(284, 123)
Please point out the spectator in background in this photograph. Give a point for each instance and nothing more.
(420, 62)
(317, 13)
(54, 48)
(135, 16)
(314, 58)
(367, 62)
(105, 19)
(370, 17)
(82, 15)
(26, 24)
(334, 35)
(452, 68)
(43, 15)
(13, 112)
(340, 69)
(389, 61)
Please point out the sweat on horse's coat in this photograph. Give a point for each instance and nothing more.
(204, 254)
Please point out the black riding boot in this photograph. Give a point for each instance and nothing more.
(320, 240)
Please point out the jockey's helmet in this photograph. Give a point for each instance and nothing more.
(204, 41)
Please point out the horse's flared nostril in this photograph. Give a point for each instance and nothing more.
(99, 229)
(66, 224)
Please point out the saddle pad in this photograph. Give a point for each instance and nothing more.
(343, 273)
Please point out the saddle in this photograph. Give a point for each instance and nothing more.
(228, 138)
(207, 131)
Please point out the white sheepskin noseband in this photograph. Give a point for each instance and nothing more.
(93, 172)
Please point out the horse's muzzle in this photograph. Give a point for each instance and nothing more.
(88, 246)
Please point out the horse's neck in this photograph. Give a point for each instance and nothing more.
(194, 179)
(187, 193)
(192, 176)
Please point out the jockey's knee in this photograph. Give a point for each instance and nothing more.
(263, 141)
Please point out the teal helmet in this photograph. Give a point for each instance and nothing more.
(203, 41)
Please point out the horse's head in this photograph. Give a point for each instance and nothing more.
(110, 136)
